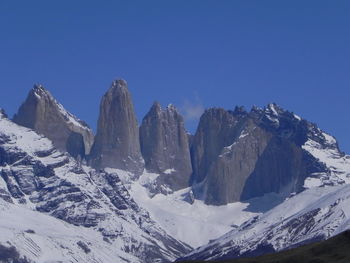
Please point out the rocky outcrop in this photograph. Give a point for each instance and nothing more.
(165, 148)
(117, 140)
(42, 113)
(3, 113)
(238, 155)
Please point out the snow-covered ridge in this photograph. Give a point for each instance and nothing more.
(328, 153)
(23, 138)
(35, 176)
(315, 214)
(43, 238)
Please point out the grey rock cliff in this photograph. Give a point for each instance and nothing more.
(239, 155)
(217, 128)
(165, 148)
(117, 140)
(42, 113)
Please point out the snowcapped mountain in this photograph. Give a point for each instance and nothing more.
(41, 183)
(316, 213)
(246, 182)
(195, 222)
(238, 155)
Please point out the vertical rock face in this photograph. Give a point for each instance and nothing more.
(239, 155)
(117, 140)
(165, 148)
(217, 128)
(42, 113)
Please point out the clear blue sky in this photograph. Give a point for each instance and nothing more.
(193, 54)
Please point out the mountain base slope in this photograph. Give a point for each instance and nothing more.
(333, 250)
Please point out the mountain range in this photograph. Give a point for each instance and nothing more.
(247, 182)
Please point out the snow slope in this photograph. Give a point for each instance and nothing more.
(315, 214)
(35, 176)
(328, 153)
(193, 223)
(186, 219)
(43, 238)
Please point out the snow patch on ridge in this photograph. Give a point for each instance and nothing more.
(337, 163)
(312, 182)
(297, 117)
(271, 106)
(169, 171)
(71, 118)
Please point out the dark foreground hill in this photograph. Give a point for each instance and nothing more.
(333, 250)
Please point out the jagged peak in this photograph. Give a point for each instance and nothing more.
(239, 110)
(256, 109)
(214, 110)
(119, 87)
(171, 108)
(157, 110)
(271, 111)
(39, 87)
(3, 114)
(40, 92)
(119, 84)
(217, 113)
(274, 109)
(156, 106)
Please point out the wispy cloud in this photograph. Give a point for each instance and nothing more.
(192, 109)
